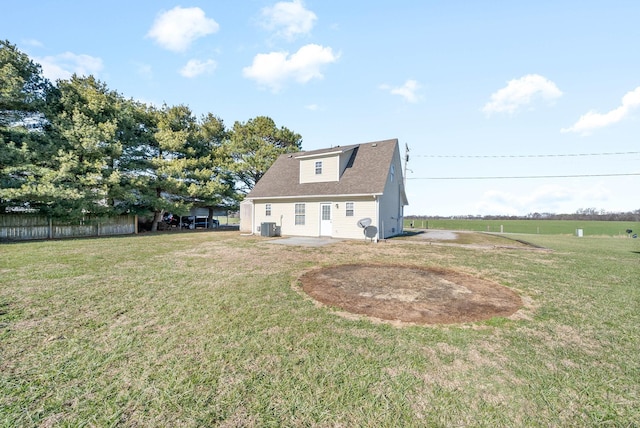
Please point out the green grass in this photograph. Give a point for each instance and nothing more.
(209, 328)
(225, 220)
(542, 227)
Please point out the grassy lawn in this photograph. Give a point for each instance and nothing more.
(209, 328)
(542, 227)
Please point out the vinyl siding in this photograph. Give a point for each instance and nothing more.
(391, 203)
(330, 166)
(283, 214)
(347, 227)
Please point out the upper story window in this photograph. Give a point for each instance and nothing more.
(392, 173)
(318, 167)
(267, 210)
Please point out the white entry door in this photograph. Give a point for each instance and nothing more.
(325, 219)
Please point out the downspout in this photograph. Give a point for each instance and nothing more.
(378, 221)
(401, 220)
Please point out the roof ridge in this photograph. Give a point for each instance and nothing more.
(342, 148)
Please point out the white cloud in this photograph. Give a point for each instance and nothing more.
(592, 120)
(274, 69)
(521, 92)
(195, 67)
(176, 29)
(312, 107)
(288, 19)
(546, 198)
(64, 65)
(408, 91)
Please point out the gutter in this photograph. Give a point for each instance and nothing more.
(344, 195)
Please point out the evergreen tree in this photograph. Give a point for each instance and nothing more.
(89, 152)
(210, 182)
(28, 170)
(79, 148)
(255, 146)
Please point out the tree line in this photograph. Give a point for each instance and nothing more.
(76, 148)
(580, 214)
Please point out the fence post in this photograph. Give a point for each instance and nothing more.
(50, 232)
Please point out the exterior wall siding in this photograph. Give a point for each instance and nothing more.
(342, 226)
(330, 172)
(346, 226)
(391, 210)
(283, 214)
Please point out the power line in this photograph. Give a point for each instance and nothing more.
(525, 177)
(531, 156)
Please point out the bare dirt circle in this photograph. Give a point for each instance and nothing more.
(410, 294)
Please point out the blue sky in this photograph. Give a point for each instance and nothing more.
(474, 88)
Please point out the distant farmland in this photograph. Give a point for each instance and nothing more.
(542, 227)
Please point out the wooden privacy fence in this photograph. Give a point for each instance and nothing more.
(23, 227)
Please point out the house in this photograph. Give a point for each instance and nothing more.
(326, 192)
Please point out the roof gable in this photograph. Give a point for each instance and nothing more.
(365, 173)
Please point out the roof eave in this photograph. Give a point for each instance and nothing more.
(319, 155)
(349, 195)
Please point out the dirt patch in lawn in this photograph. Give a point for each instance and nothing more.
(410, 294)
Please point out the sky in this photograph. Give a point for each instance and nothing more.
(506, 107)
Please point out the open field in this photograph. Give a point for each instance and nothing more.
(212, 329)
(542, 227)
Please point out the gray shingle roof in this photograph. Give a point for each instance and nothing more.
(366, 173)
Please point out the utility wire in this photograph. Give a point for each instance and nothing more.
(525, 177)
(531, 156)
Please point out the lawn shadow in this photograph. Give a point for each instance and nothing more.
(410, 233)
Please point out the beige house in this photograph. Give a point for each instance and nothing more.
(326, 192)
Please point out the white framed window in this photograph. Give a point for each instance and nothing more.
(392, 173)
(318, 167)
(267, 210)
(299, 214)
(349, 209)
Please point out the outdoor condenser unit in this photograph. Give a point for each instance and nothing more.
(267, 229)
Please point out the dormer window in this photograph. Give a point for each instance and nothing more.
(318, 167)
